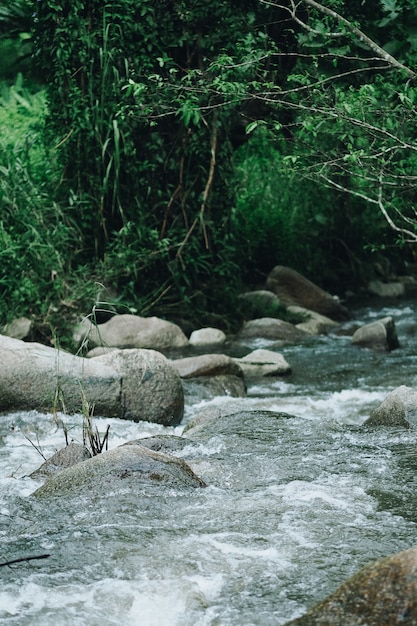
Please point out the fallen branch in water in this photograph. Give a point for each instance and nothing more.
(24, 558)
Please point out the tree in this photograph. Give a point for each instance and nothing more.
(148, 102)
(354, 104)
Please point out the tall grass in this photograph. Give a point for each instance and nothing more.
(36, 235)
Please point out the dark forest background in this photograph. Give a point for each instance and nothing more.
(161, 156)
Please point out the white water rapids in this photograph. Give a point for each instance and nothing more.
(288, 515)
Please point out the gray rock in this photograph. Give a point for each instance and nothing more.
(151, 388)
(380, 335)
(34, 376)
(272, 328)
(67, 457)
(315, 323)
(264, 363)
(207, 337)
(19, 328)
(383, 593)
(399, 408)
(256, 425)
(170, 444)
(129, 384)
(293, 288)
(133, 467)
(208, 387)
(131, 331)
(386, 290)
(206, 365)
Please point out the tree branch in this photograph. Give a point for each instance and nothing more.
(372, 45)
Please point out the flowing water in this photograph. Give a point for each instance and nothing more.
(291, 509)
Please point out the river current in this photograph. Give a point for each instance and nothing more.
(289, 512)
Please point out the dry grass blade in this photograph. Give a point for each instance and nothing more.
(92, 437)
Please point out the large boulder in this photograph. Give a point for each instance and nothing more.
(131, 331)
(34, 376)
(380, 335)
(151, 387)
(131, 384)
(383, 593)
(272, 328)
(399, 408)
(132, 467)
(293, 288)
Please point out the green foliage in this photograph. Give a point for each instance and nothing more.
(184, 146)
(34, 235)
(142, 102)
(15, 37)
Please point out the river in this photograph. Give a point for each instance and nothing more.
(289, 513)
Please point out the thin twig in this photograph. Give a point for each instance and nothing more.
(24, 558)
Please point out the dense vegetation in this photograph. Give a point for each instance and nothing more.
(161, 154)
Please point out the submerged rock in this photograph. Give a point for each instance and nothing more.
(257, 425)
(383, 593)
(161, 443)
(132, 467)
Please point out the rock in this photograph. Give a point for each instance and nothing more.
(294, 289)
(207, 337)
(272, 328)
(70, 455)
(91, 354)
(161, 443)
(131, 467)
(131, 331)
(314, 324)
(386, 290)
(151, 388)
(261, 303)
(379, 335)
(410, 285)
(264, 363)
(131, 384)
(19, 328)
(206, 365)
(383, 593)
(256, 425)
(208, 387)
(34, 376)
(399, 408)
